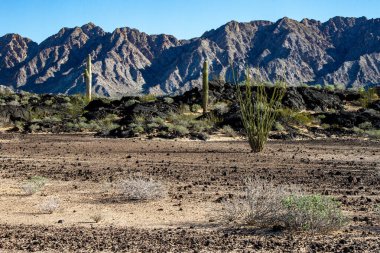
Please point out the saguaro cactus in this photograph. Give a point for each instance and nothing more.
(88, 77)
(205, 86)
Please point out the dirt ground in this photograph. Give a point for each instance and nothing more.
(83, 171)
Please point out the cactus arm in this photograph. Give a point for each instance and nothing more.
(205, 86)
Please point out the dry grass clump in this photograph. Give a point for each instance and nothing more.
(33, 185)
(265, 205)
(142, 189)
(97, 217)
(50, 205)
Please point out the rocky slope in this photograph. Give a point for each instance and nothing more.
(127, 61)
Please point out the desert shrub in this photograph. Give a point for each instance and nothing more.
(325, 126)
(263, 204)
(142, 189)
(365, 125)
(159, 121)
(329, 87)
(50, 205)
(184, 108)
(4, 121)
(106, 124)
(97, 217)
(221, 108)
(179, 130)
(290, 116)
(373, 133)
(48, 102)
(33, 185)
(340, 86)
(278, 127)
(229, 131)
(130, 102)
(312, 213)
(377, 209)
(318, 86)
(367, 96)
(14, 103)
(213, 119)
(138, 119)
(76, 106)
(19, 125)
(147, 98)
(196, 108)
(34, 128)
(259, 110)
(168, 100)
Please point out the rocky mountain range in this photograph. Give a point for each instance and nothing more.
(340, 51)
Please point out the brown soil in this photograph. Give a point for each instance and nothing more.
(82, 171)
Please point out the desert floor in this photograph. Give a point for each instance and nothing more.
(83, 171)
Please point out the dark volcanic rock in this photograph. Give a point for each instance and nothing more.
(14, 113)
(351, 119)
(375, 105)
(293, 99)
(320, 100)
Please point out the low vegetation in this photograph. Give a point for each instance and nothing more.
(182, 116)
(264, 204)
(33, 185)
(259, 110)
(50, 205)
(142, 189)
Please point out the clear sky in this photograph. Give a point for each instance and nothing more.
(38, 19)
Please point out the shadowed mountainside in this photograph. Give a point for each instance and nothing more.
(127, 61)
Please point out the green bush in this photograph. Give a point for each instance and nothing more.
(221, 108)
(293, 117)
(148, 98)
(312, 213)
(264, 204)
(229, 131)
(329, 87)
(340, 86)
(33, 185)
(196, 108)
(365, 125)
(367, 96)
(278, 127)
(168, 100)
(259, 110)
(180, 130)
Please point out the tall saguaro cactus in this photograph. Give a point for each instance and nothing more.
(205, 86)
(88, 77)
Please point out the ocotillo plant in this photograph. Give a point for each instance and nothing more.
(88, 77)
(205, 86)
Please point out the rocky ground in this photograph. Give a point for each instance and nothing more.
(82, 170)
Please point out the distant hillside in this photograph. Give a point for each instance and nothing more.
(341, 50)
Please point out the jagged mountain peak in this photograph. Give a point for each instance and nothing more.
(129, 61)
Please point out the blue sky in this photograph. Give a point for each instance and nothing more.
(38, 19)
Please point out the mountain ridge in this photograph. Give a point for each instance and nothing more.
(126, 61)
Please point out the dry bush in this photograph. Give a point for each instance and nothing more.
(229, 131)
(33, 185)
(142, 189)
(97, 217)
(266, 205)
(50, 205)
(261, 204)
